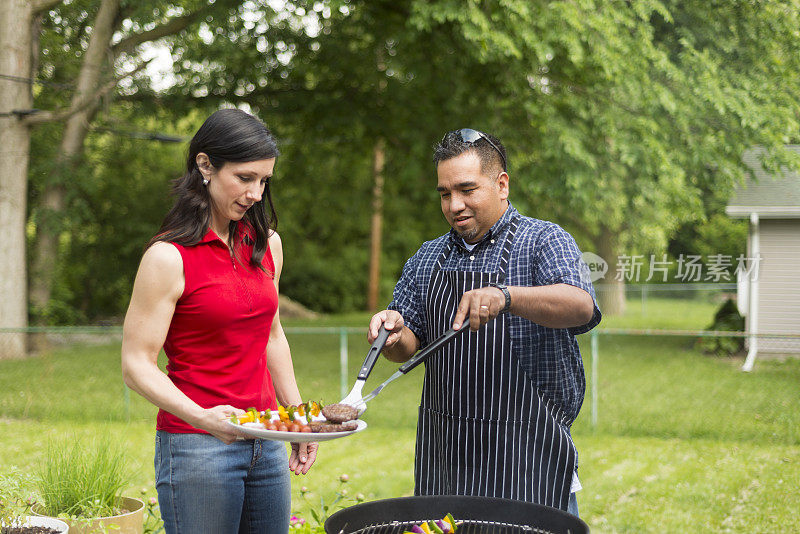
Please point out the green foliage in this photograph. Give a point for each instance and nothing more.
(620, 119)
(710, 231)
(153, 524)
(617, 120)
(720, 235)
(324, 228)
(307, 528)
(630, 108)
(81, 479)
(116, 188)
(118, 197)
(15, 503)
(340, 500)
(320, 283)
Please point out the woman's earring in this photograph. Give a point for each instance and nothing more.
(205, 181)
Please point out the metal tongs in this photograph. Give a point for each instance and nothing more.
(355, 399)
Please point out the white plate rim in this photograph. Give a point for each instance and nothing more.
(295, 437)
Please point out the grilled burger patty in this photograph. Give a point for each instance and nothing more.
(323, 426)
(339, 413)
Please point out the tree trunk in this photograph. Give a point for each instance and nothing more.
(610, 291)
(15, 60)
(46, 253)
(378, 160)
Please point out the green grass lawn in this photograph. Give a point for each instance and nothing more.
(665, 313)
(684, 442)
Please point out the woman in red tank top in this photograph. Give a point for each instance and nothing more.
(207, 293)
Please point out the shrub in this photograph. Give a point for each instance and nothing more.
(727, 318)
(14, 503)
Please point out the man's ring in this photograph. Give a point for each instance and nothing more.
(484, 306)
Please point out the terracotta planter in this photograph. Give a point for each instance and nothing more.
(131, 522)
(49, 522)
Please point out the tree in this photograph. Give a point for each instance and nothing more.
(16, 46)
(622, 111)
(115, 203)
(617, 115)
(356, 81)
(100, 46)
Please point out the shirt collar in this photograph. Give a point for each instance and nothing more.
(210, 236)
(495, 230)
(243, 230)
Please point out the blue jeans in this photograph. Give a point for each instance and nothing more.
(572, 507)
(205, 486)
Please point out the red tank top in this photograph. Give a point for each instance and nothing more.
(216, 346)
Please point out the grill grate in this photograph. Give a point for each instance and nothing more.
(475, 515)
(464, 527)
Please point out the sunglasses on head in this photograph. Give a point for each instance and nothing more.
(470, 136)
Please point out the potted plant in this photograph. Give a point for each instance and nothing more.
(14, 508)
(81, 483)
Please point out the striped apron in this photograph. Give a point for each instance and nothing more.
(484, 428)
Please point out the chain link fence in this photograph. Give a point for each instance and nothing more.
(32, 340)
(666, 305)
(670, 306)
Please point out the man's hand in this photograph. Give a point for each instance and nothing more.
(401, 343)
(479, 306)
(391, 320)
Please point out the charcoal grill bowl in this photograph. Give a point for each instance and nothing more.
(381, 513)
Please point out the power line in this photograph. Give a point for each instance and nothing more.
(30, 81)
(19, 113)
(148, 136)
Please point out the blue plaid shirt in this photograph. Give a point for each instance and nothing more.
(542, 254)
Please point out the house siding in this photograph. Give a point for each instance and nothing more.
(779, 284)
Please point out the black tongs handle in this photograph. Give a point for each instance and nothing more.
(372, 355)
(438, 343)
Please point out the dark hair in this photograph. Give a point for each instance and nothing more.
(452, 146)
(227, 135)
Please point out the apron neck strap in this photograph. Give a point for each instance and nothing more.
(443, 256)
(506, 254)
(512, 230)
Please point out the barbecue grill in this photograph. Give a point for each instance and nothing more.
(474, 515)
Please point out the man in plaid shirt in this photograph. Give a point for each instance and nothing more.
(525, 273)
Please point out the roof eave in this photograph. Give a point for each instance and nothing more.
(764, 212)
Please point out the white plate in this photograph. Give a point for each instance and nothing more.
(295, 437)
